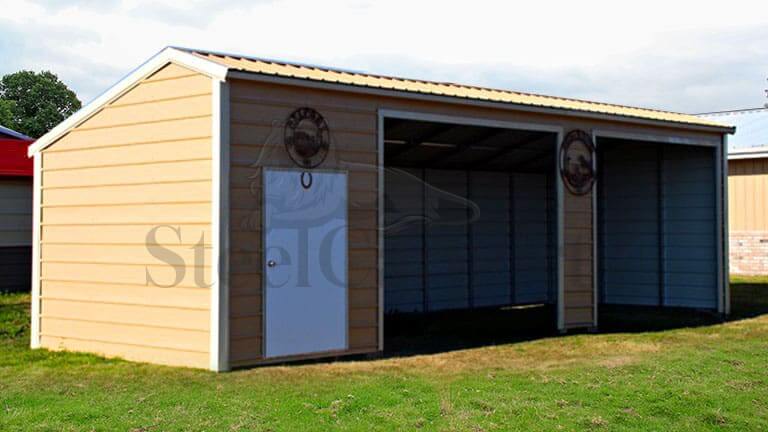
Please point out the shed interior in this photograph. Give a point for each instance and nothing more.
(469, 216)
(657, 234)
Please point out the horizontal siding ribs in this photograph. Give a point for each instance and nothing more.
(53, 149)
(158, 100)
(122, 224)
(122, 303)
(161, 89)
(141, 183)
(168, 78)
(141, 123)
(124, 204)
(118, 283)
(123, 323)
(178, 339)
(114, 165)
(257, 115)
(578, 278)
(320, 105)
(63, 336)
(141, 162)
(60, 261)
(136, 353)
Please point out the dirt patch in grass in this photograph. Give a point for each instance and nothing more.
(540, 355)
(618, 361)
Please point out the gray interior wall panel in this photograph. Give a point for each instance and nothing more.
(552, 230)
(490, 238)
(690, 238)
(644, 234)
(403, 244)
(628, 223)
(447, 242)
(531, 229)
(467, 266)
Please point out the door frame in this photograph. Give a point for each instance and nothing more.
(459, 120)
(264, 264)
(719, 146)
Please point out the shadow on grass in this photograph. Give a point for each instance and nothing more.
(416, 334)
(748, 299)
(438, 332)
(14, 316)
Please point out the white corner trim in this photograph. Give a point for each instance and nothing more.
(719, 208)
(595, 221)
(36, 197)
(560, 197)
(380, 230)
(167, 55)
(219, 330)
(726, 232)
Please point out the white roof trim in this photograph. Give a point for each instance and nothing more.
(167, 55)
(748, 153)
(14, 134)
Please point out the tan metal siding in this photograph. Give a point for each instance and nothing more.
(258, 111)
(747, 199)
(141, 162)
(578, 289)
(257, 115)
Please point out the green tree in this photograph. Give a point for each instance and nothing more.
(6, 112)
(33, 103)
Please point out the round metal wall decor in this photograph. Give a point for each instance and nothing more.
(306, 137)
(577, 162)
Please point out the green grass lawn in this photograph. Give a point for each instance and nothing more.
(691, 378)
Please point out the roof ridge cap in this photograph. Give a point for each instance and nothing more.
(734, 111)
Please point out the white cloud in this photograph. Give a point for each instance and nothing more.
(686, 56)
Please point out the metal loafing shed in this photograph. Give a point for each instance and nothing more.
(15, 211)
(219, 211)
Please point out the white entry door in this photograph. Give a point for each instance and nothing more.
(305, 269)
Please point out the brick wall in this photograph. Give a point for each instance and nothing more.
(748, 252)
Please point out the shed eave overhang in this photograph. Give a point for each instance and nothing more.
(270, 78)
(222, 72)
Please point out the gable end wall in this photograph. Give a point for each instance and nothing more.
(143, 161)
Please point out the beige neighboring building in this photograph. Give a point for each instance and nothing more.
(219, 211)
(747, 189)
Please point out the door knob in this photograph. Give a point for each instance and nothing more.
(271, 263)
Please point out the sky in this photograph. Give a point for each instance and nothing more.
(687, 56)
